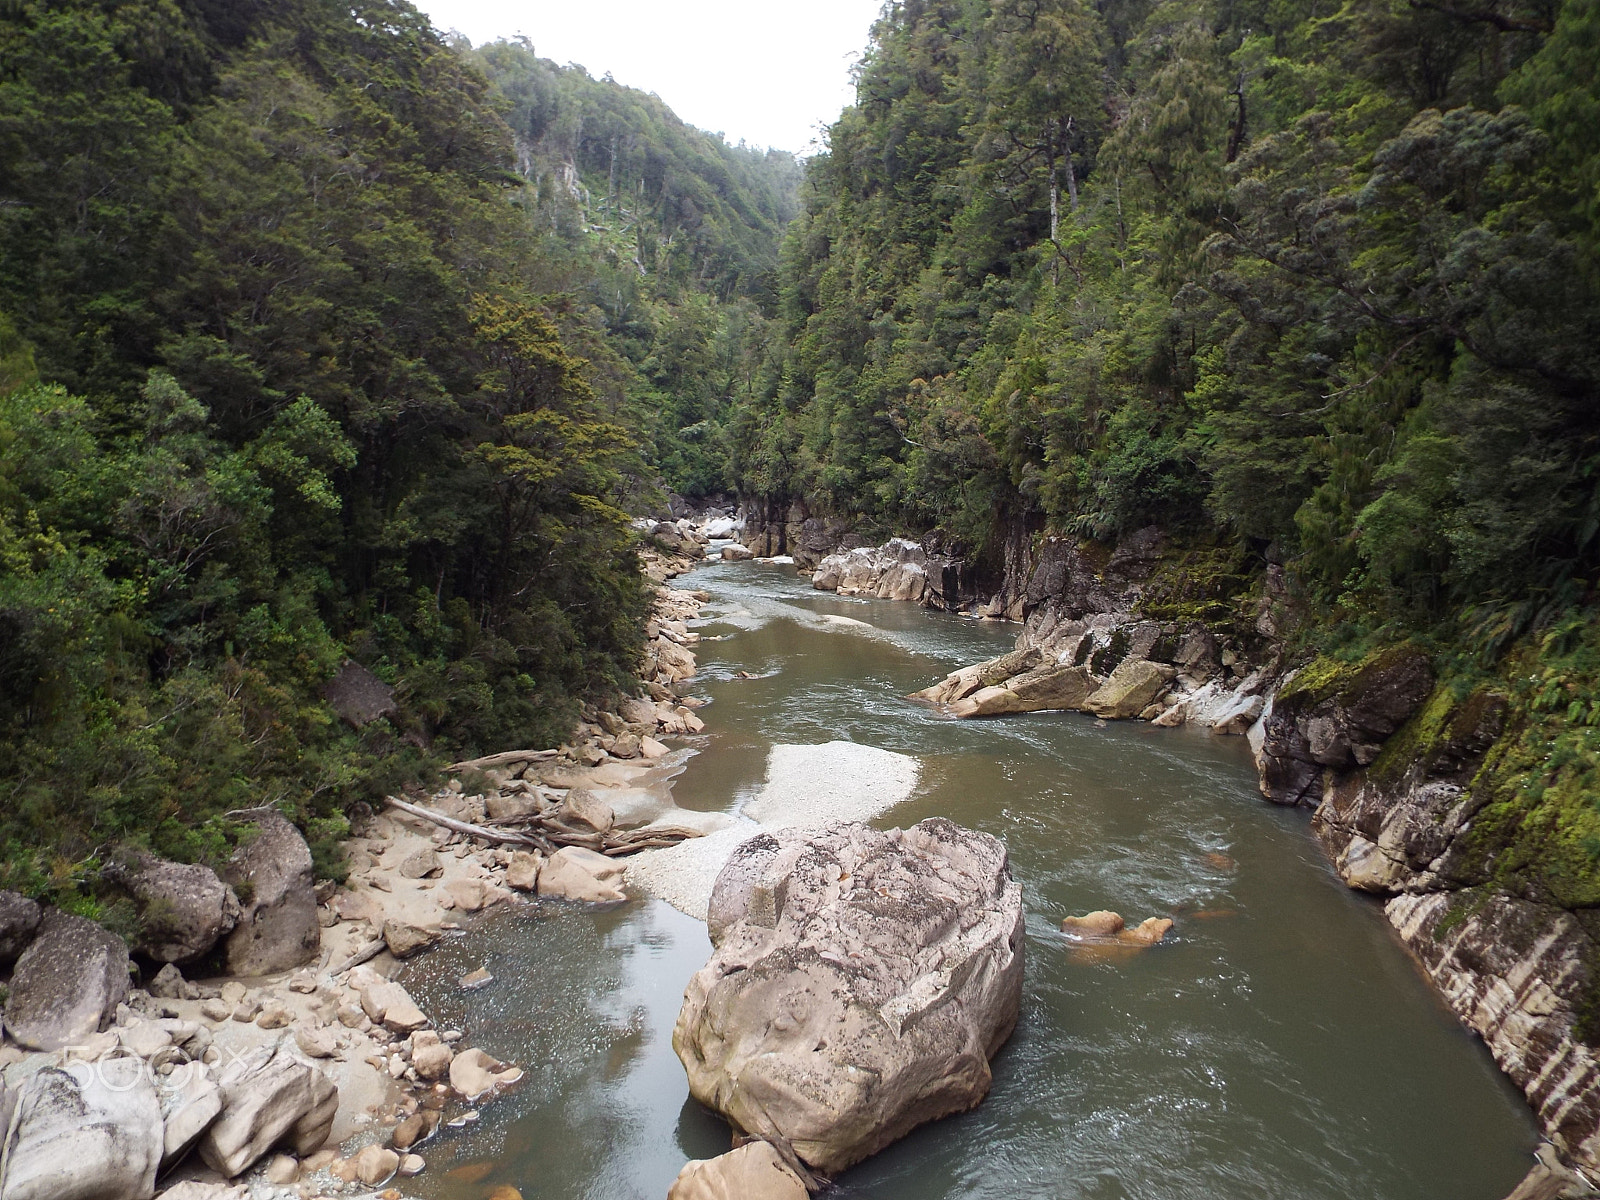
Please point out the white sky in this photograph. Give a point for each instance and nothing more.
(770, 72)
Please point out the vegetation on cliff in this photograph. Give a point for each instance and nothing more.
(319, 339)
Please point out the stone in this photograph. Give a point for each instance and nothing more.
(274, 1016)
(390, 1005)
(625, 745)
(652, 749)
(19, 921)
(358, 696)
(315, 1043)
(1134, 685)
(471, 895)
(169, 984)
(190, 1100)
(475, 980)
(416, 1128)
(184, 909)
(523, 871)
(582, 809)
(376, 1164)
(755, 1171)
(473, 1074)
(419, 864)
(278, 928)
(637, 712)
(860, 983)
(216, 1010)
(67, 983)
(412, 1165)
(405, 939)
(734, 552)
(143, 1039)
(573, 873)
(269, 1098)
(282, 1170)
(193, 1189)
(1147, 932)
(430, 1056)
(1100, 923)
(85, 1133)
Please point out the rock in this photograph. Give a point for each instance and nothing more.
(19, 921)
(523, 872)
(269, 1098)
(67, 984)
(190, 1100)
(184, 909)
(1148, 932)
(573, 873)
(388, 1004)
(216, 1010)
(430, 1056)
(412, 1165)
(419, 864)
(278, 928)
(860, 983)
(1042, 689)
(274, 1016)
(473, 895)
(358, 696)
(405, 939)
(1100, 923)
(169, 984)
(625, 745)
(734, 552)
(1552, 1179)
(85, 1133)
(476, 980)
(315, 1043)
(755, 1171)
(191, 1189)
(473, 1074)
(582, 809)
(376, 1164)
(282, 1170)
(1135, 684)
(650, 748)
(143, 1039)
(637, 712)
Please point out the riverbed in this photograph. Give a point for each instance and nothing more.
(1280, 1046)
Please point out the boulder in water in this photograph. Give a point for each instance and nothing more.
(860, 984)
(755, 1171)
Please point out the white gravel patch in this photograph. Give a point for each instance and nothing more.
(807, 787)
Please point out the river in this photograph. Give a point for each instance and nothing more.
(1281, 1047)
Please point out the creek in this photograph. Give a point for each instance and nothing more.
(1280, 1047)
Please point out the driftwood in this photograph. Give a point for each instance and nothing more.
(501, 759)
(504, 837)
(546, 833)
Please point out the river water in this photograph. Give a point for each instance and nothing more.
(1281, 1047)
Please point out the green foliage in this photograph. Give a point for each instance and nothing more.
(306, 396)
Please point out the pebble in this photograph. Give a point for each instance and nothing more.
(473, 981)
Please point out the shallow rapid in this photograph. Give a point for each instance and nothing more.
(1280, 1047)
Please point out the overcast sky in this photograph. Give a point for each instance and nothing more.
(764, 71)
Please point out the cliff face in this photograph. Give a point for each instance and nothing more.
(1406, 777)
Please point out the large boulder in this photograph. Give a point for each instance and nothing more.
(67, 984)
(19, 922)
(270, 1098)
(755, 1171)
(573, 873)
(278, 928)
(1132, 687)
(184, 910)
(90, 1132)
(860, 984)
(190, 1101)
(1042, 689)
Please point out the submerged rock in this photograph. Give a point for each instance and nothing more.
(860, 984)
(755, 1171)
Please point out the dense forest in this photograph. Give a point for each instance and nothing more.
(326, 337)
(323, 339)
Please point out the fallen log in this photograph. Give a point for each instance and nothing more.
(499, 760)
(504, 837)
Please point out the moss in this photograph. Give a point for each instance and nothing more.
(1464, 905)
(1415, 741)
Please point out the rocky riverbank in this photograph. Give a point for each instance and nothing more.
(1392, 763)
(308, 1070)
